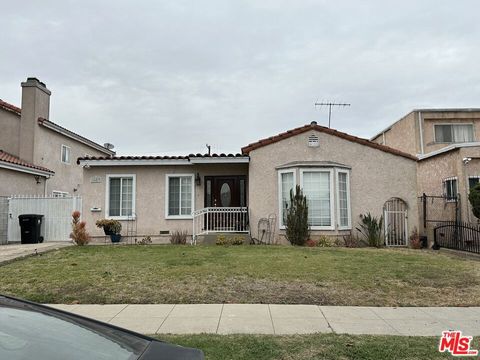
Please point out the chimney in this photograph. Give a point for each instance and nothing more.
(35, 104)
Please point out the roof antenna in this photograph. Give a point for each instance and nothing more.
(330, 104)
(208, 148)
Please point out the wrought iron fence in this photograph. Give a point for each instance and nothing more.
(439, 209)
(458, 236)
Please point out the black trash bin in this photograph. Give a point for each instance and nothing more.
(31, 227)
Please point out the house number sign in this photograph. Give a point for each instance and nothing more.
(96, 179)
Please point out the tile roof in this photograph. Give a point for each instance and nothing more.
(161, 157)
(11, 159)
(313, 126)
(9, 107)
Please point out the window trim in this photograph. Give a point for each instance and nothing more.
(332, 197)
(472, 177)
(69, 154)
(280, 172)
(349, 206)
(107, 196)
(167, 185)
(444, 185)
(452, 124)
(58, 192)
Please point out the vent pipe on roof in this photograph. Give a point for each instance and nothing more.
(313, 123)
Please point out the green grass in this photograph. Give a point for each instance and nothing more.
(318, 346)
(244, 274)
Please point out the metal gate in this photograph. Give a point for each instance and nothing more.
(395, 217)
(57, 214)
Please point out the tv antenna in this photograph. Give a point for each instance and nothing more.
(330, 104)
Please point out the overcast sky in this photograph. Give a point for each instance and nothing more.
(166, 77)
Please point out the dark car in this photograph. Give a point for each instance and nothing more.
(33, 331)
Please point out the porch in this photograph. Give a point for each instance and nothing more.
(220, 221)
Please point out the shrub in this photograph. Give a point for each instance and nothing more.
(371, 229)
(310, 243)
(179, 237)
(79, 234)
(415, 242)
(350, 241)
(147, 240)
(232, 240)
(324, 241)
(109, 226)
(296, 224)
(474, 199)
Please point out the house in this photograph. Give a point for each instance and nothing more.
(342, 176)
(447, 144)
(37, 156)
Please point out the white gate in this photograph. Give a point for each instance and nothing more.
(395, 218)
(57, 215)
(3, 219)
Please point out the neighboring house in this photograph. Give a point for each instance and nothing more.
(343, 176)
(447, 144)
(37, 156)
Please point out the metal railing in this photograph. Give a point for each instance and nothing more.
(458, 236)
(219, 220)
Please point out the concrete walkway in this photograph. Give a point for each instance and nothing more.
(282, 319)
(14, 251)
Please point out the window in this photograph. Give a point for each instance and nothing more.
(343, 199)
(450, 189)
(65, 154)
(120, 196)
(317, 187)
(453, 133)
(179, 196)
(59, 194)
(472, 181)
(286, 182)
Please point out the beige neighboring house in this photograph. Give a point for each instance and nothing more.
(447, 144)
(343, 176)
(37, 156)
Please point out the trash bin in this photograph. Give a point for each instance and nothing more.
(30, 228)
(424, 241)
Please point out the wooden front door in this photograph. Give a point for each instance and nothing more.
(225, 191)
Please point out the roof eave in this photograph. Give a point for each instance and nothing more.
(25, 169)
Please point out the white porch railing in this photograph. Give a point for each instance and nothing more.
(219, 220)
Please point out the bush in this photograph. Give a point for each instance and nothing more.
(415, 242)
(147, 240)
(474, 199)
(371, 229)
(310, 243)
(350, 241)
(79, 234)
(296, 224)
(109, 226)
(324, 241)
(231, 240)
(178, 237)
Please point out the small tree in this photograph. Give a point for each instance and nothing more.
(296, 222)
(79, 234)
(371, 229)
(474, 198)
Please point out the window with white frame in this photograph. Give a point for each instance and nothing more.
(179, 199)
(65, 154)
(343, 199)
(286, 181)
(120, 195)
(454, 133)
(59, 194)
(317, 187)
(450, 188)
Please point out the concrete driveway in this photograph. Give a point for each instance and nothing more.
(14, 251)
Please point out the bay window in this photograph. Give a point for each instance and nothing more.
(317, 187)
(287, 183)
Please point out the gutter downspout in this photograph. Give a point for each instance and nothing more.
(45, 186)
(420, 128)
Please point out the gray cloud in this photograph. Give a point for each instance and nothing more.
(167, 77)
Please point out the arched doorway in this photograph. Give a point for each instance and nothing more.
(395, 215)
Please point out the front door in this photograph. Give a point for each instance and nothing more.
(225, 191)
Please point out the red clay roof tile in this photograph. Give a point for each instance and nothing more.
(11, 159)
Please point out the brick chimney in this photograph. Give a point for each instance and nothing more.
(35, 104)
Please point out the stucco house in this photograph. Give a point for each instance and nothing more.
(343, 176)
(447, 144)
(37, 156)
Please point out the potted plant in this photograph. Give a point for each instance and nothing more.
(111, 227)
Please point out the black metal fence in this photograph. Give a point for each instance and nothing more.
(458, 235)
(437, 209)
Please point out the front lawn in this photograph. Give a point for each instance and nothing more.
(244, 274)
(317, 346)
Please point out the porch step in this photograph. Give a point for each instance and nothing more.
(226, 238)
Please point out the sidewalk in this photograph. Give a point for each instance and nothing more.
(14, 251)
(282, 319)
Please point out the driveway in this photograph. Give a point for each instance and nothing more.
(13, 251)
